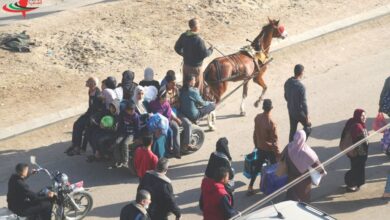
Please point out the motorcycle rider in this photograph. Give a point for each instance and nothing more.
(24, 202)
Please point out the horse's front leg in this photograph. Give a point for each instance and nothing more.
(259, 80)
(244, 95)
(211, 118)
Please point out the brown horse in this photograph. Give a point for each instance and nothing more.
(241, 66)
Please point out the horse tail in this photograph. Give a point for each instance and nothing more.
(208, 81)
(218, 71)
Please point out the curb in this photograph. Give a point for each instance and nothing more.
(306, 36)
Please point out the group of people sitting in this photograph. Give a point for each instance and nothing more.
(120, 115)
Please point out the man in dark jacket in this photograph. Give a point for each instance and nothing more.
(215, 202)
(295, 95)
(22, 201)
(193, 50)
(160, 187)
(81, 124)
(137, 210)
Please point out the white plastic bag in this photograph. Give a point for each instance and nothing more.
(316, 176)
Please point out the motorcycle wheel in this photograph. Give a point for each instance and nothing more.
(84, 201)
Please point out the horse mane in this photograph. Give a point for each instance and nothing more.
(256, 43)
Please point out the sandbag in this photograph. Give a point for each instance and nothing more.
(16, 42)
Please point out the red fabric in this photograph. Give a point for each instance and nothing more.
(281, 29)
(379, 122)
(144, 160)
(212, 193)
(355, 124)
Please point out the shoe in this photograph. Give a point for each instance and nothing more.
(169, 155)
(352, 189)
(250, 191)
(177, 156)
(116, 165)
(125, 165)
(70, 149)
(386, 195)
(190, 148)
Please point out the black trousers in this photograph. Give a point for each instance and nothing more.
(294, 125)
(78, 129)
(262, 155)
(356, 175)
(41, 209)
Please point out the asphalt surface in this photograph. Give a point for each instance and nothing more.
(352, 66)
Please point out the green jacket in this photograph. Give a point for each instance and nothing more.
(190, 101)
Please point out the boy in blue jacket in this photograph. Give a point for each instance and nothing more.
(128, 130)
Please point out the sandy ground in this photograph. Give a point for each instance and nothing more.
(106, 39)
(344, 70)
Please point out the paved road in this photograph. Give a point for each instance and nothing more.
(344, 71)
(47, 8)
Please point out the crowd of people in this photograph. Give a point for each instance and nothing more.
(118, 124)
(118, 117)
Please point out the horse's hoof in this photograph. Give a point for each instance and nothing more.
(243, 113)
(212, 128)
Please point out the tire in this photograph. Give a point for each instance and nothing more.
(197, 137)
(70, 214)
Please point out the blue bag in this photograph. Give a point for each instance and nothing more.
(250, 165)
(270, 182)
(158, 121)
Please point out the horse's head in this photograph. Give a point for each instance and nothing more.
(271, 30)
(278, 30)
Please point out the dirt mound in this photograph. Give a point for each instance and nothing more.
(106, 39)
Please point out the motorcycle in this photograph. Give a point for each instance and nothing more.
(71, 201)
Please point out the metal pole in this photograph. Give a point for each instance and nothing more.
(307, 174)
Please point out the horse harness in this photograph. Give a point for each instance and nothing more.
(235, 60)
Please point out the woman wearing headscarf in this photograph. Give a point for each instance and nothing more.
(355, 129)
(220, 158)
(299, 157)
(108, 90)
(138, 98)
(127, 86)
(149, 79)
(162, 106)
(141, 105)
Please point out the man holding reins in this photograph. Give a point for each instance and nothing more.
(193, 50)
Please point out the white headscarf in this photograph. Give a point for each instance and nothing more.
(139, 103)
(148, 74)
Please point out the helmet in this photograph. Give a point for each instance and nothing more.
(107, 121)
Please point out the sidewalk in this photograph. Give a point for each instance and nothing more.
(47, 9)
